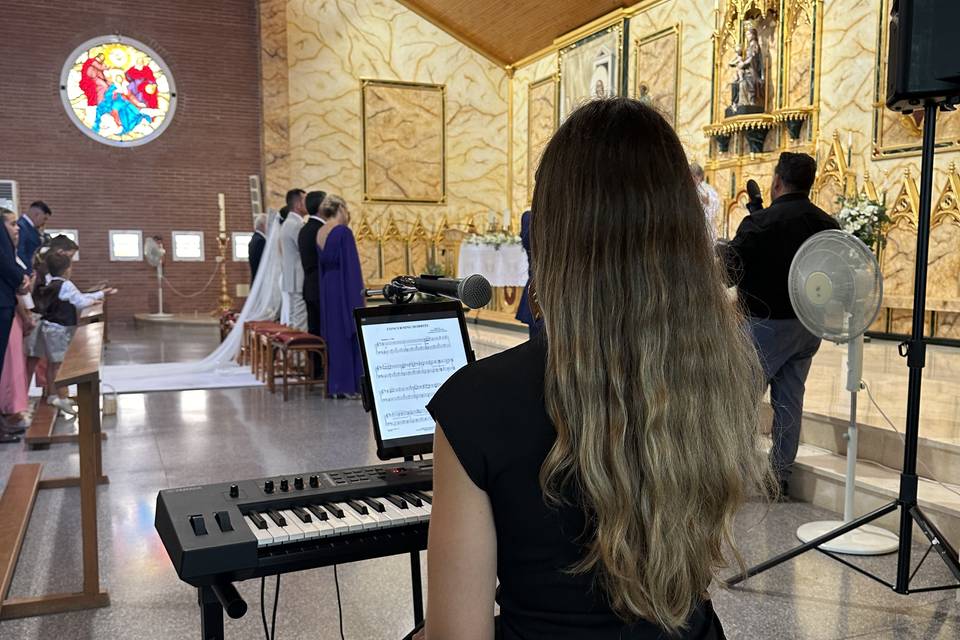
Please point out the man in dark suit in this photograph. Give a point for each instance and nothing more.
(307, 243)
(31, 232)
(257, 244)
(12, 279)
(758, 261)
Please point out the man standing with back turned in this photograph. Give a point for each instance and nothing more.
(758, 262)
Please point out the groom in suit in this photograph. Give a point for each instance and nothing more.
(307, 242)
(292, 311)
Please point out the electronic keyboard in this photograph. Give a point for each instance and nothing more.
(220, 533)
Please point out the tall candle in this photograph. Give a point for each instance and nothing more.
(223, 213)
(849, 148)
(506, 219)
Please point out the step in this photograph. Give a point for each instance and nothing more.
(936, 459)
(40, 433)
(16, 505)
(819, 478)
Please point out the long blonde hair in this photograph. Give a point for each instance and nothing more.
(652, 383)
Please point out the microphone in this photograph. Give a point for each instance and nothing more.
(473, 291)
(755, 203)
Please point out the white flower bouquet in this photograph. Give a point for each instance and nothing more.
(496, 240)
(864, 218)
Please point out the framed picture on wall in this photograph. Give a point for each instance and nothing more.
(657, 81)
(591, 68)
(541, 123)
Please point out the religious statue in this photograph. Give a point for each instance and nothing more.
(748, 90)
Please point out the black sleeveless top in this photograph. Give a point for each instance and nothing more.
(492, 413)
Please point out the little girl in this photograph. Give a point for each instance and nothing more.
(59, 302)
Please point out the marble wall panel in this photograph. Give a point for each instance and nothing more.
(799, 92)
(419, 256)
(541, 123)
(943, 277)
(521, 170)
(394, 252)
(696, 21)
(332, 45)
(898, 261)
(369, 250)
(274, 95)
(403, 138)
(657, 58)
(948, 325)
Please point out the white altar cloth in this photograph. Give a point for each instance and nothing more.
(505, 266)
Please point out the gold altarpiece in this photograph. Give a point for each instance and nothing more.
(745, 139)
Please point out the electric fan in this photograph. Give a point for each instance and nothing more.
(153, 251)
(836, 290)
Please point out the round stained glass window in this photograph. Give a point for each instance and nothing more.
(118, 91)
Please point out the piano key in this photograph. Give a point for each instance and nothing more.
(257, 520)
(421, 513)
(332, 508)
(338, 526)
(293, 526)
(317, 512)
(403, 516)
(353, 519)
(412, 499)
(307, 530)
(357, 506)
(277, 518)
(301, 513)
(423, 495)
(263, 538)
(280, 534)
(373, 504)
(397, 501)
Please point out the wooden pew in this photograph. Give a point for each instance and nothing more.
(16, 506)
(96, 312)
(81, 367)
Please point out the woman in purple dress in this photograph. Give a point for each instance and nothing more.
(341, 291)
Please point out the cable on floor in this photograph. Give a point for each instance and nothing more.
(336, 582)
(276, 600)
(271, 633)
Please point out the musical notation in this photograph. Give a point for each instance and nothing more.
(408, 417)
(409, 392)
(411, 345)
(415, 368)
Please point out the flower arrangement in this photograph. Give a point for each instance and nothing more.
(496, 240)
(864, 218)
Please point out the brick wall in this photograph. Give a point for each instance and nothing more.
(211, 145)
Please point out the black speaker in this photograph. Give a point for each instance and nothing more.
(923, 63)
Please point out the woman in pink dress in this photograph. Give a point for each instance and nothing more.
(13, 378)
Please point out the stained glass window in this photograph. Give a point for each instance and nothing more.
(118, 91)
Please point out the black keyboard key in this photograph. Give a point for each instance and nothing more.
(358, 507)
(412, 499)
(397, 501)
(335, 510)
(276, 517)
(373, 504)
(302, 514)
(423, 496)
(258, 520)
(318, 513)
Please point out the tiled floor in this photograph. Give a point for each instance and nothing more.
(174, 439)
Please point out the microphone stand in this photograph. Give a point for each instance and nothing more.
(915, 351)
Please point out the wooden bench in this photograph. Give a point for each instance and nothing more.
(97, 312)
(16, 507)
(81, 367)
(40, 435)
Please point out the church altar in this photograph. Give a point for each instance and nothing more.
(502, 265)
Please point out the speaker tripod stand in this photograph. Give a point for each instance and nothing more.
(915, 352)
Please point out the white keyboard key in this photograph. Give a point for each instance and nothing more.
(293, 525)
(403, 516)
(353, 523)
(263, 538)
(280, 535)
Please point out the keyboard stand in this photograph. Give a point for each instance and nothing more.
(211, 614)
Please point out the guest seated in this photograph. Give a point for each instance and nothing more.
(59, 302)
(340, 292)
(596, 469)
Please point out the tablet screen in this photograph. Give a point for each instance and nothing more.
(408, 352)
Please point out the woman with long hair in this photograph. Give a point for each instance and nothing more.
(596, 470)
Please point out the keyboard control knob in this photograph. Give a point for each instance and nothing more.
(284, 485)
(314, 481)
(298, 483)
(234, 491)
(268, 486)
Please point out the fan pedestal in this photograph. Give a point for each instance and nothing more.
(865, 541)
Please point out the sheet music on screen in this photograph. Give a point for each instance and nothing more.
(407, 362)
